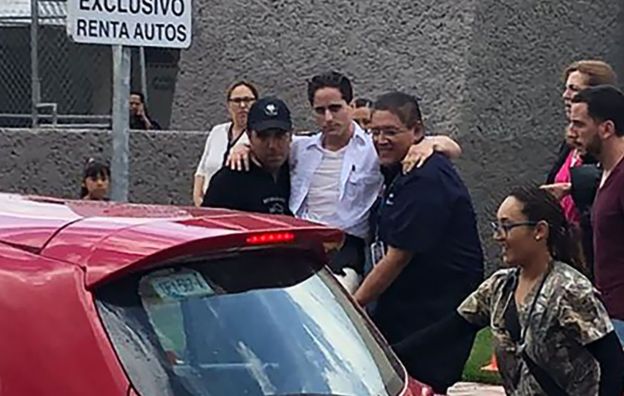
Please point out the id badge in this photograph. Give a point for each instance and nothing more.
(378, 251)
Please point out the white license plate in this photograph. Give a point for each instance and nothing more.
(181, 286)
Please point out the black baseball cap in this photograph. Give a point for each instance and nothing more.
(269, 113)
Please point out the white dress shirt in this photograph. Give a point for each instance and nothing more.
(359, 181)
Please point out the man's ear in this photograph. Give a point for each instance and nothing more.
(606, 129)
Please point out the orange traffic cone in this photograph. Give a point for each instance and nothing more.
(492, 366)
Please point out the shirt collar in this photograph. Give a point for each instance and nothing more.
(284, 169)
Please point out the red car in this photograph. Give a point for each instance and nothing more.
(117, 299)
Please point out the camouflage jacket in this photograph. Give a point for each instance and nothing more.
(567, 316)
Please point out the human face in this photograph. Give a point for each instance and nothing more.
(332, 112)
(519, 238)
(575, 83)
(136, 106)
(391, 137)
(584, 131)
(97, 187)
(239, 102)
(271, 148)
(362, 115)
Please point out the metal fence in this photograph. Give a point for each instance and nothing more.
(45, 79)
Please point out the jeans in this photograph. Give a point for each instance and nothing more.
(619, 329)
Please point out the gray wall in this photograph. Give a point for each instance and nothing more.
(419, 46)
(487, 70)
(512, 120)
(50, 162)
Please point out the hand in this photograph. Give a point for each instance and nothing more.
(558, 190)
(417, 155)
(140, 112)
(238, 159)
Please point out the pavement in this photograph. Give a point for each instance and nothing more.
(471, 389)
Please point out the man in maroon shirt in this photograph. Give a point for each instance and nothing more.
(597, 126)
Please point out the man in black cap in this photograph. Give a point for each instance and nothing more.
(266, 187)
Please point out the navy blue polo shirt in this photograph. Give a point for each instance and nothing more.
(429, 213)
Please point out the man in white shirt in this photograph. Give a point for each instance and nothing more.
(335, 175)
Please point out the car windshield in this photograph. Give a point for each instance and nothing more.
(272, 323)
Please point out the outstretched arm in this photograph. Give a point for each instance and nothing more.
(419, 153)
(382, 275)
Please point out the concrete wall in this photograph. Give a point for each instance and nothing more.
(512, 118)
(50, 162)
(420, 46)
(488, 70)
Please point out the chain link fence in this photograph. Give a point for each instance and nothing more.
(45, 78)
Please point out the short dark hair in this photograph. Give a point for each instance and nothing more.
(330, 79)
(362, 102)
(604, 103)
(242, 83)
(402, 105)
(139, 94)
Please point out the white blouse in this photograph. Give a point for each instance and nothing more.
(216, 146)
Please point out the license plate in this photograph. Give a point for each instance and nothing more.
(181, 286)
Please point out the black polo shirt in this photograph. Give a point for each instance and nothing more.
(253, 191)
(429, 213)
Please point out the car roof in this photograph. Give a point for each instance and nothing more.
(107, 238)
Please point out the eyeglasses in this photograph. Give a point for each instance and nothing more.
(502, 229)
(242, 100)
(387, 132)
(333, 108)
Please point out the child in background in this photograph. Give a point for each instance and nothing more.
(95, 181)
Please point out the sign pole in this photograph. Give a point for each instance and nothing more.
(34, 62)
(121, 119)
(143, 68)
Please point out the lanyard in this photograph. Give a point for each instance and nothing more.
(520, 339)
(382, 205)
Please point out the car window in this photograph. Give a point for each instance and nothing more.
(264, 323)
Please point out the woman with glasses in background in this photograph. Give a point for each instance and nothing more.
(223, 137)
(552, 335)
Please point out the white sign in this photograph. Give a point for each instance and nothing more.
(147, 23)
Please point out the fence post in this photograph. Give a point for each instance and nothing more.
(143, 70)
(121, 93)
(35, 83)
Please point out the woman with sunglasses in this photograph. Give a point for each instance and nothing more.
(223, 137)
(552, 335)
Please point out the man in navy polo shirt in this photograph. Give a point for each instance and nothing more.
(426, 249)
(266, 187)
